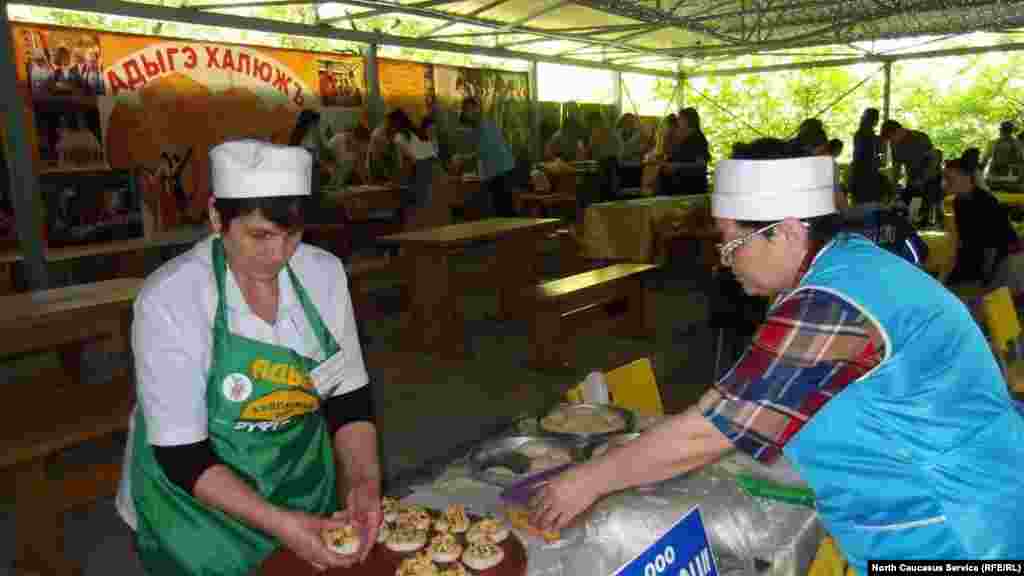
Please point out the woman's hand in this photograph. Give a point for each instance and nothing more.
(363, 504)
(302, 533)
(555, 504)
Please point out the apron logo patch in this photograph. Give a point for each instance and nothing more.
(237, 387)
(280, 373)
(279, 407)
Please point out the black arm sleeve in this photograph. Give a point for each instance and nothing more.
(184, 464)
(354, 406)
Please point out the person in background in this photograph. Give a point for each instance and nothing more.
(238, 441)
(92, 73)
(984, 233)
(420, 158)
(382, 157)
(605, 149)
(1003, 161)
(427, 133)
(888, 403)
(306, 134)
(865, 169)
(570, 141)
(40, 72)
(667, 136)
(835, 148)
(686, 171)
(912, 152)
(494, 159)
(351, 148)
(636, 143)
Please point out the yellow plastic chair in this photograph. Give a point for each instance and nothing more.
(829, 561)
(634, 387)
(1000, 318)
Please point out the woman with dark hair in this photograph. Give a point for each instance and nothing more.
(870, 377)
(306, 133)
(984, 233)
(687, 169)
(420, 158)
(865, 178)
(254, 403)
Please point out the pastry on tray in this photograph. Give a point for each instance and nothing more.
(483, 556)
(418, 565)
(404, 539)
(456, 569)
(453, 520)
(445, 548)
(390, 507)
(414, 517)
(487, 530)
(343, 540)
(519, 517)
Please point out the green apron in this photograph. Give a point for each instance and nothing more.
(266, 425)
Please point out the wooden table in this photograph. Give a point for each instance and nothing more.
(434, 318)
(625, 229)
(54, 411)
(361, 201)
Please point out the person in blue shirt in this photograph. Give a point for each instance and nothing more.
(494, 159)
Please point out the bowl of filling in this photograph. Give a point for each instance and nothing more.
(587, 424)
(506, 461)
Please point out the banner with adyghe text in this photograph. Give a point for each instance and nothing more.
(157, 105)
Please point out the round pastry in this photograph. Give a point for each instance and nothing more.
(455, 516)
(404, 539)
(444, 548)
(483, 556)
(414, 517)
(418, 565)
(344, 540)
(442, 526)
(456, 569)
(390, 507)
(487, 530)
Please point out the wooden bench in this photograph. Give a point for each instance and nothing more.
(558, 303)
(54, 411)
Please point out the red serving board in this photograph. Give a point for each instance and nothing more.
(384, 562)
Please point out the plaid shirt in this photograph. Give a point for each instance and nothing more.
(811, 346)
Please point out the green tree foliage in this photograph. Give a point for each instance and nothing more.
(959, 102)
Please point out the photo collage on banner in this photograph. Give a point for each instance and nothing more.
(121, 124)
(139, 114)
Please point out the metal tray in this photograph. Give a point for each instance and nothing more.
(596, 448)
(497, 447)
(628, 418)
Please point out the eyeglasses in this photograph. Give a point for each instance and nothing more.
(727, 250)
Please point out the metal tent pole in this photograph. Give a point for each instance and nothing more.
(24, 184)
(374, 104)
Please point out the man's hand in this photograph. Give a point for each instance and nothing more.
(303, 534)
(363, 505)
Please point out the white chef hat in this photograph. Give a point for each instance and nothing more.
(257, 169)
(764, 190)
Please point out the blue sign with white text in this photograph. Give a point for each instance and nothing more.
(682, 551)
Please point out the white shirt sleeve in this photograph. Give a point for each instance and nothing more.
(342, 325)
(170, 374)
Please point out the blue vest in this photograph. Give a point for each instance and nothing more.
(922, 457)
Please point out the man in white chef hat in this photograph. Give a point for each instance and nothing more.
(253, 393)
(870, 377)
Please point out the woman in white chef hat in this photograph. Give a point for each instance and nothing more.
(253, 395)
(867, 374)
